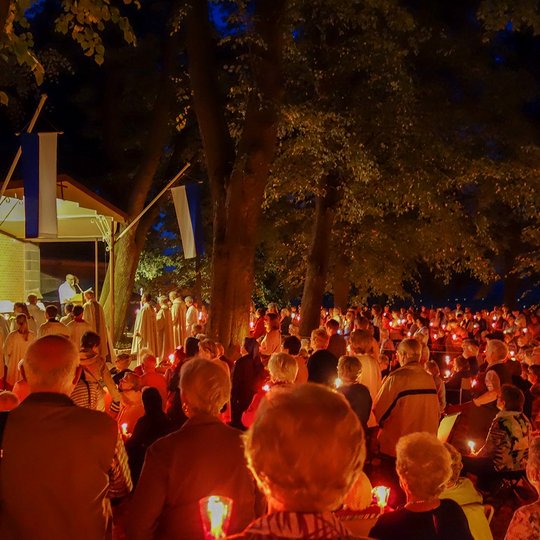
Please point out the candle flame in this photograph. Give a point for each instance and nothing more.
(218, 511)
(171, 357)
(338, 382)
(124, 427)
(266, 387)
(471, 445)
(381, 494)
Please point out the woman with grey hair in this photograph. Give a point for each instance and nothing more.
(204, 457)
(349, 370)
(283, 369)
(424, 467)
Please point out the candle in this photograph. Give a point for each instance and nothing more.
(338, 382)
(471, 446)
(435, 336)
(251, 325)
(447, 359)
(454, 337)
(447, 373)
(200, 315)
(171, 357)
(474, 383)
(381, 494)
(525, 330)
(124, 427)
(266, 387)
(215, 515)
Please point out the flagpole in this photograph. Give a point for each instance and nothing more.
(15, 161)
(154, 200)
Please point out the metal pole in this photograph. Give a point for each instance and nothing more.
(29, 129)
(96, 268)
(111, 282)
(154, 200)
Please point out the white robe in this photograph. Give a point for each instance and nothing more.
(66, 292)
(4, 328)
(165, 333)
(145, 331)
(95, 316)
(53, 327)
(15, 348)
(192, 317)
(178, 315)
(37, 313)
(32, 326)
(76, 331)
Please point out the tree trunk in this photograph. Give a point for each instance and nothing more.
(126, 259)
(4, 12)
(341, 282)
(319, 256)
(237, 181)
(128, 249)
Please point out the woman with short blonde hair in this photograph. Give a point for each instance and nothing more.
(424, 467)
(203, 388)
(306, 448)
(283, 368)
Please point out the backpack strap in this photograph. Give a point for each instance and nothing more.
(3, 422)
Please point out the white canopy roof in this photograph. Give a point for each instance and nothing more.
(78, 210)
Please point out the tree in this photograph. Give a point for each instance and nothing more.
(237, 166)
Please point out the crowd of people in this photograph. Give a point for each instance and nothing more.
(442, 406)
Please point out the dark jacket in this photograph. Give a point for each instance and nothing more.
(204, 457)
(55, 470)
(322, 367)
(360, 401)
(247, 376)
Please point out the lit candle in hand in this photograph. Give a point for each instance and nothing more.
(381, 494)
(215, 514)
(471, 445)
(124, 427)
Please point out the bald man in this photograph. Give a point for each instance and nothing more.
(60, 461)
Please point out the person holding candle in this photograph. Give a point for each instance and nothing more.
(461, 490)
(203, 458)
(507, 442)
(283, 369)
(306, 449)
(424, 467)
(526, 520)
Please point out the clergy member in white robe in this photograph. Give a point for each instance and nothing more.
(192, 315)
(35, 310)
(178, 315)
(67, 290)
(165, 330)
(77, 327)
(95, 317)
(53, 325)
(15, 348)
(145, 331)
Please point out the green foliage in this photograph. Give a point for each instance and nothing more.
(83, 20)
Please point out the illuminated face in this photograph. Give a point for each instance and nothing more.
(70, 279)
